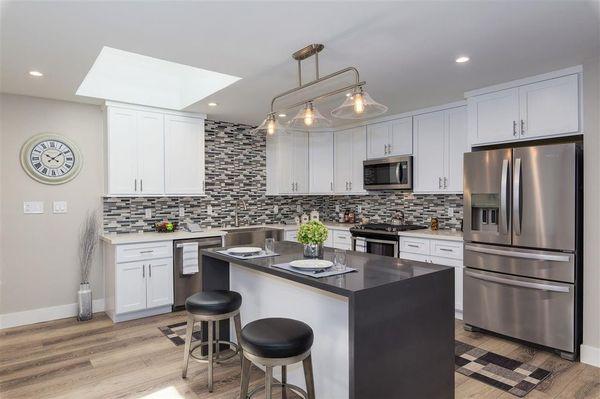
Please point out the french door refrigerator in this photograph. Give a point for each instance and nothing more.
(523, 244)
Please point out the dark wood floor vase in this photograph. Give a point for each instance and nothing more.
(101, 360)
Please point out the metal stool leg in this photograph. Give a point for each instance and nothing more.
(268, 382)
(238, 334)
(210, 356)
(283, 382)
(217, 336)
(246, 364)
(308, 375)
(188, 343)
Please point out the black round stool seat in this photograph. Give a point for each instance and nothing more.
(209, 303)
(277, 337)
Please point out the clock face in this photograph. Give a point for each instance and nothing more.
(51, 159)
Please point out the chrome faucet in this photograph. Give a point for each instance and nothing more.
(237, 203)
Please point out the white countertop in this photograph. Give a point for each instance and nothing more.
(329, 225)
(450, 235)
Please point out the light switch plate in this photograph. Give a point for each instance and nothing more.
(275, 209)
(33, 207)
(148, 213)
(181, 212)
(298, 208)
(59, 207)
(337, 208)
(209, 210)
(450, 212)
(359, 208)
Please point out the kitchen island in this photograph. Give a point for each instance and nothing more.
(383, 331)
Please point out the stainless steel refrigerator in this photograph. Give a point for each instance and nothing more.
(523, 244)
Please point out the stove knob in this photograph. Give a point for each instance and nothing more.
(389, 228)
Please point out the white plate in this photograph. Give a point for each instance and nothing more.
(311, 264)
(244, 251)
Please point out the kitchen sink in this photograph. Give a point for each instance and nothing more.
(252, 235)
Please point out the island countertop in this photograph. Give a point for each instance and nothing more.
(372, 271)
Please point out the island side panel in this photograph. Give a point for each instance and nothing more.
(402, 339)
(215, 276)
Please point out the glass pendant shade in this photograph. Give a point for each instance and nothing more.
(270, 125)
(309, 118)
(358, 106)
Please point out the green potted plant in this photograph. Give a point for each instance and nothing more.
(313, 234)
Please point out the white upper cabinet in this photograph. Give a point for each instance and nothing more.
(550, 107)
(389, 138)
(300, 162)
(287, 163)
(320, 161)
(184, 155)
(153, 152)
(349, 154)
(529, 110)
(440, 143)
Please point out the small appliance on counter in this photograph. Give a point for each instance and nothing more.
(381, 238)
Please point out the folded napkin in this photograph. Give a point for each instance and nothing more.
(261, 254)
(190, 258)
(314, 273)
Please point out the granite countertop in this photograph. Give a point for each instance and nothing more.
(450, 235)
(373, 271)
(331, 225)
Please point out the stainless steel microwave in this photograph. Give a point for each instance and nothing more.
(393, 173)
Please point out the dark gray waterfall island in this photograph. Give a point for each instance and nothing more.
(384, 331)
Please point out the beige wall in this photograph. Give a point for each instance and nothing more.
(591, 122)
(38, 253)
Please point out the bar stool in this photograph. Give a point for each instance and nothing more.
(211, 307)
(274, 342)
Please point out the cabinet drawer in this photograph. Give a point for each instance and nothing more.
(342, 239)
(414, 245)
(447, 249)
(143, 251)
(291, 235)
(417, 257)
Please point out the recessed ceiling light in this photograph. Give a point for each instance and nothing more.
(282, 115)
(348, 94)
(212, 104)
(462, 59)
(37, 74)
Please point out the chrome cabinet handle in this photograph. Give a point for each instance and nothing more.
(514, 128)
(147, 251)
(331, 186)
(445, 182)
(141, 185)
(385, 149)
(350, 185)
(522, 127)
(517, 197)
(203, 186)
(439, 182)
(346, 186)
(389, 149)
(134, 184)
(446, 250)
(150, 270)
(412, 245)
(517, 283)
(143, 271)
(292, 186)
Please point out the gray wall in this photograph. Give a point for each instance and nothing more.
(38, 253)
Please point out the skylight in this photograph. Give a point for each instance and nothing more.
(138, 79)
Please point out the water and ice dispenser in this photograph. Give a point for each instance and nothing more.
(485, 212)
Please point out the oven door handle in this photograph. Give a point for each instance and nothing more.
(394, 243)
(517, 283)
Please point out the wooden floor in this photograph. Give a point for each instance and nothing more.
(99, 359)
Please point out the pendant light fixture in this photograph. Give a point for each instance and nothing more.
(358, 106)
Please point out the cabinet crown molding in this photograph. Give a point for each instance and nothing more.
(145, 108)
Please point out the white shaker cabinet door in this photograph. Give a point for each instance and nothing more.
(151, 156)
(159, 282)
(401, 138)
(457, 143)
(122, 151)
(184, 155)
(430, 152)
(550, 107)
(343, 145)
(359, 154)
(130, 291)
(378, 140)
(494, 117)
(320, 165)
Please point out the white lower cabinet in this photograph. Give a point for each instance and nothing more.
(140, 287)
(440, 252)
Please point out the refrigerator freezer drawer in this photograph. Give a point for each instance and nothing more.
(533, 310)
(547, 265)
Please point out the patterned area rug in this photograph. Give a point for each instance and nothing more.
(496, 370)
(176, 332)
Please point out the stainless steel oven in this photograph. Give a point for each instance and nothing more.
(378, 246)
(393, 173)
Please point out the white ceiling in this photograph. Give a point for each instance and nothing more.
(404, 50)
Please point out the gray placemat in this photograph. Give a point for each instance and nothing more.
(326, 273)
(261, 254)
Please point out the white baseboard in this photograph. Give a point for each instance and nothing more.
(15, 319)
(458, 314)
(590, 355)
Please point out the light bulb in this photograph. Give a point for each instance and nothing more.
(308, 116)
(271, 127)
(359, 103)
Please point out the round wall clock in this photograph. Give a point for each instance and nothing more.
(51, 158)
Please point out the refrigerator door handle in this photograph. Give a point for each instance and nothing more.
(504, 198)
(516, 254)
(517, 197)
(517, 283)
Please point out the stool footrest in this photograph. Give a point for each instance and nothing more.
(218, 357)
(294, 388)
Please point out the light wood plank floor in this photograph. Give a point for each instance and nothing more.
(99, 359)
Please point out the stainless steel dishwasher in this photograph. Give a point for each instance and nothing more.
(185, 285)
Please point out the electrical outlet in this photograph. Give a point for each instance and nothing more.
(59, 207)
(450, 212)
(181, 212)
(298, 209)
(337, 208)
(33, 207)
(209, 210)
(148, 213)
(359, 208)
(276, 209)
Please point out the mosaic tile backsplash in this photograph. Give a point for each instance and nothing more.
(236, 169)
